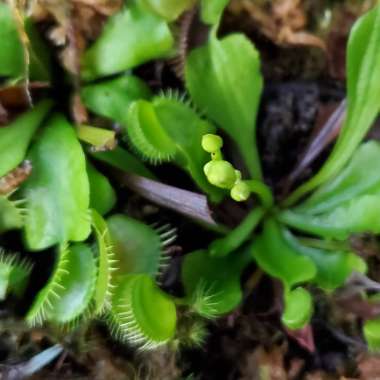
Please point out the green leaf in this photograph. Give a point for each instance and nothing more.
(102, 194)
(125, 161)
(240, 234)
(138, 247)
(70, 288)
(12, 54)
(11, 49)
(277, 258)
(21, 130)
(130, 38)
(168, 9)
(216, 278)
(225, 82)
(100, 139)
(333, 267)
(211, 10)
(112, 98)
(106, 264)
(349, 204)
(298, 309)
(372, 334)
(57, 192)
(141, 313)
(363, 57)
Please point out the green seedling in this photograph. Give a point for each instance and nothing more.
(109, 267)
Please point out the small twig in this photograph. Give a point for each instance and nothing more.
(319, 142)
(32, 366)
(188, 203)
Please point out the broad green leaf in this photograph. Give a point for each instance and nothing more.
(112, 98)
(14, 274)
(277, 258)
(217, 278)
(125, 161)
(130, 38)
(359, 177)
(349, 204)
(137, 247)
(211, 10)
(70, 288)
(357, 215)
(333, 267)
(363, 93)
(298, 308)
(141, 313)
(57, 193)
(102, 194)
(21, 131)
(106, 263)
(168, 9)
(225, 82)
(11, 214)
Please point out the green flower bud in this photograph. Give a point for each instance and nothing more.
(212, 143)
(220, 173)
(240, 192)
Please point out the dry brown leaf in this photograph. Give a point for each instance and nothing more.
(261, 364)
(284, 23)
(77, 23)
(369, 367)
(15, 178)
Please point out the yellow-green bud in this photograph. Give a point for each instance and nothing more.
(212, 143)
(240, 192)
(220, 173)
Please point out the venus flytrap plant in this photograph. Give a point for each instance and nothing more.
(110, 266)
(167, 129)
